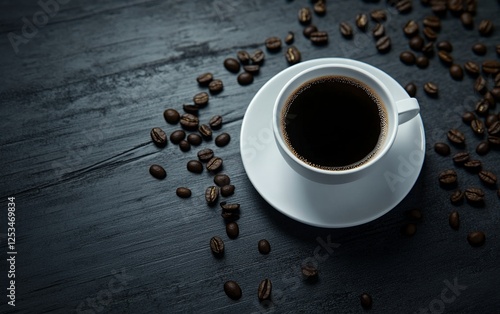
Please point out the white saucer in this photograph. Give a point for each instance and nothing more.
(321, 205)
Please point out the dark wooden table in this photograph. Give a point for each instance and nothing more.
(95, 233)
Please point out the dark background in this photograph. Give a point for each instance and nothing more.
(96, 233)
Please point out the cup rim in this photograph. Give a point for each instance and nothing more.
(380, 88)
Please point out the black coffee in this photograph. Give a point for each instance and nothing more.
(334, 123)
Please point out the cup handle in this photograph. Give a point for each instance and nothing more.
(407, 109)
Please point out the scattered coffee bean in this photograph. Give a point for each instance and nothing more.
(429, 33)
(290, 37)
(445, 57)
(362, 21)
(366, 301)
(205, 78)
(473, 165)
(159, 137)
(273, 43)
(474, 195)
(158, 172)
(189, 121)
(245, 78)
(494, 129)
(454, 220)
(414, 214)
(183, 192)
(252, 68)
(476, 238)
(243, 56)
(442, 149)
(491, 67)
(461, 158)
(495, 92)
(309, 29)
(177, 136)
(320, 7)
(448, 177)
(456, 72)
(378, 15)
(194, 166)
(455, 6)
(230, 211)
(258, 57)
(232, 230)
(468, 117)
(411, 28)
(217, 247)
(264, 290)
(480, 85)
(456, 137)
(192, 109)
(416, 43)
(205, 154)
(411, 89)
(479, 49)
(472, 68)
(409, 229)
(487, 177)
(467, 20)
(227, 190)
(485, 27)
(457, 197)
(422, 62)
(407, 57)
(319, 38)
(431, 89)
(383, 44)
(490, 119)
(494, 140)
(214, 164)
(222, 179)
(264, 246)
(488, 97)
(305, 16)
(184, 145)
(292, 55)
(172, 116)
(232, 65)
(216, 86)
(232, 290)
(212, 194)
(215, 122)
(428, 49)
(378, 31)
(477, 126)
(482, 107)
(432, 22)
(222, 139)
(444, 45)
(201, 99)
(439, 8)
(404, 6)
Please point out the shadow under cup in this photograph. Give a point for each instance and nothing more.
(334, 113)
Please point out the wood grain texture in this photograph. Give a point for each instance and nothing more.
(96, 233)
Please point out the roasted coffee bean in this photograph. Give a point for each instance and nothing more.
(439, 8)
(189, 121)
(495, 92)
(383, 44)
(494, 140)
(487, 177)
(230, 211)
(183, 192)
(177, 136)
(407, 57)
(378, 15)
(159, 137)
(194, 139)
(429, 33)
(448, 177)
(158, 172)
(205, 78)
(366, 301)
(320, 7)
(479, 49)
(222, 179)
(289, 38)
(431, 89)
(445, 57)
(461, 157)
(194, 166)
(216, 86)
(455, 136)
(232, 290)
(184, 145)
(404, 6)
(273, 43)
(467, 19)
(243, 56)
(473, 165)
(319, 38)
(474, 195)
(485, 27)
(264, 290)
(227, 190)
(494, 129)
(214, 164)
(414, 214)
(362, 21)
(205, 155)
(482, 107)
(409, 229)
(205, 131)
(422, 62)
(201, 99)
(172, 116)
(378, 31)
(252, 68)
(410, 28)
(257, 57)
(428, 49)
(472, 68)
(456, 72)
(491, 67)
(454, 220)
(292, 55)
(433, 22)
(411, 89)
(232, 65)
(232, 230)
(345, 29)
(309, 29)
(457, 196)
(444, 45)
(222, 139)
(476, 238)
(264, 246)
(245, 78)
(468, 117)
(455, 6)
(212, 194)
(471, 6)
(416, 43)
(217, 247)
(305, 16)
(192, 109)
(477, 126)
(215, 122)
(482, 148)
(442, 149)
(230, 207)
(490, 119)
(489, 98)
(309, 271)
(480, 85)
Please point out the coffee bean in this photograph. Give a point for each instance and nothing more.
(483, 148)
(308, 30)
(205, 154)
(487, 177)
(495, 92)
(457, 197)
(404, 6)
(189, 121)
(491, 67)
(433, 22)
(383, 44)
(264, 290)
(216, 86)
(455, 6)
(227, 190)
(461, 157)
(490, 119)
(489, 98)
(422, 62)
(345, 29)
(183, 192)
(414, 214)
(456, 72)
(366, 301)
(243, 56)
(230, 211)
(257, 56)
(214, 164)
(217, 248)
(212, 194)
(362, 21)
(230, 207)
(273, 43)
(442, 149)
(264, 246)
(184, 145)
(444, 45)
(305, 16)
(416, 43)
(482, 107)
(439, 8)
(222, 179)
(290, 37)
(232, 230)
(232, 65)
(467, 20)
(445, 57)
(159, 137)
(177, 136)
(222, 139)
(429, 33)
(309, 271)
(428, 49)
(158, 172)
(480, 85)
(192, 109)
(431, 89)
(456, 137)
(411, 89)
(245, 78)
(320, 7)
(193, 139)
(378, 15)
(494, 140)
(494, 129)
(292, 55)
(407, 57)
(477, 126)
(411, 28)
(205, 78)
(476, 238)
(479, 49)
(172, 116)
(319, 38)
(232, 290)
(454, 220)
(472, 68)
(474, 195)
(378, 31)
(473, 165)
(485, 27)
(194, 166)
(252, 68)
(201, 99)
(215, 122)
(409, 229)
(448, 177)
(468, 117)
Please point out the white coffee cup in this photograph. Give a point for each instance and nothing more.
(397, 112)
